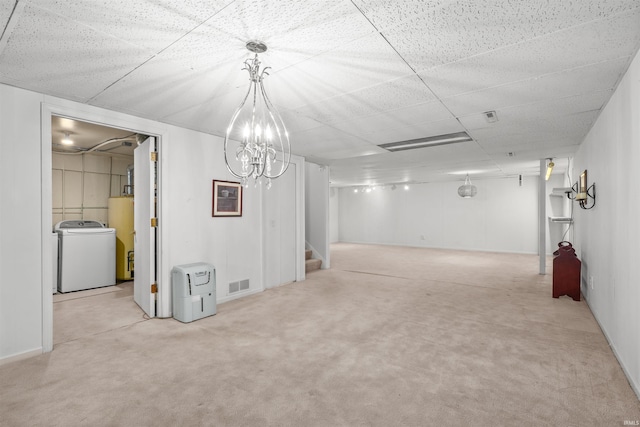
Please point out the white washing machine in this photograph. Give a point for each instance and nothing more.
(54, 250)
(87, 255)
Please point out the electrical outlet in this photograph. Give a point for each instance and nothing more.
(591, 282)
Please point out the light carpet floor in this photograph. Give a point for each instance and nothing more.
(389, 336)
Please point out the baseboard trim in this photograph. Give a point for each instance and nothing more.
(238, 295)
(635, 387)
(21, 356)
(440, 247)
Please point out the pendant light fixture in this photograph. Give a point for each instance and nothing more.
(550, 166)
(264, 149)
(467, 190)
(66, 140)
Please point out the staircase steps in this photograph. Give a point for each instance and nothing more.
(311, 264)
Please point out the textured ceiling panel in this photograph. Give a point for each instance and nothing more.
(294, 122)
(462, 152)
(209, 117)
(41, 54)
(327, 140)
(344, 73)
(383, 132)
(575, 47)
(385, 14)
(375, 99)
(151, 25)
(365, 62)
(174, 86)
(414, 166)
(592, 78)
(463, 28)
(561, 130)
(293, 31)
(534, 116)
(6, 7)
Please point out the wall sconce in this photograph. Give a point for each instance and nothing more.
(585, 195)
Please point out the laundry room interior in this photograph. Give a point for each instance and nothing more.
(92, 186)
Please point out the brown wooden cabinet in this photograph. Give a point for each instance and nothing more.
(566, 272)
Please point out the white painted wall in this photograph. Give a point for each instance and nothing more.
(20, 232)
(502, 217)
(317, 211)
(607, 236)
(334, 215)
(192, 160)
(284, 227)
(557, 206)
(82, 185)
(189, 162)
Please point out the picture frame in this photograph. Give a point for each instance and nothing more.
(227, 199)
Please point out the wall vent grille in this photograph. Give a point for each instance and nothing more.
(234, 287)
(240, 285)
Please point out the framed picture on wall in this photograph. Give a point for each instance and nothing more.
(227, 198)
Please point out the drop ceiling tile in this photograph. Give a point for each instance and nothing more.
(462, 29)
(212, 116)
(151, 25)
(391, 95)
(376, 133)
(365, 150)
(325, 141)
(5, 13)
(386, 14)
(162, 87)
(604, 40)
(295, 123)
(367, 61)
(586, 79)
(418, 130)
(431, 111)
(567, 129)
(408, 166)
(292, 31)
(533, 116)
(42, 54)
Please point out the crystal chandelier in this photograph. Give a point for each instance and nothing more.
(467, 190)
(264, 149)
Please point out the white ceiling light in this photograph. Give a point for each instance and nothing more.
(66, 140)
(467, 190)
(264, 148)
(431, 141)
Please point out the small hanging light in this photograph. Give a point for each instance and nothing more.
(550, 166)
(264, 149)
(467, 190)
(66, 140)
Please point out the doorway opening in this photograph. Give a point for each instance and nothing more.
(93, 182)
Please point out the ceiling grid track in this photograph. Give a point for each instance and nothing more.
(427, 86)
(154, 55)
(18, 7)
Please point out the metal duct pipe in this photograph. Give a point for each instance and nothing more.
(128, 189)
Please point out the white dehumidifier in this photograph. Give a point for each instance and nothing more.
(194, 291)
